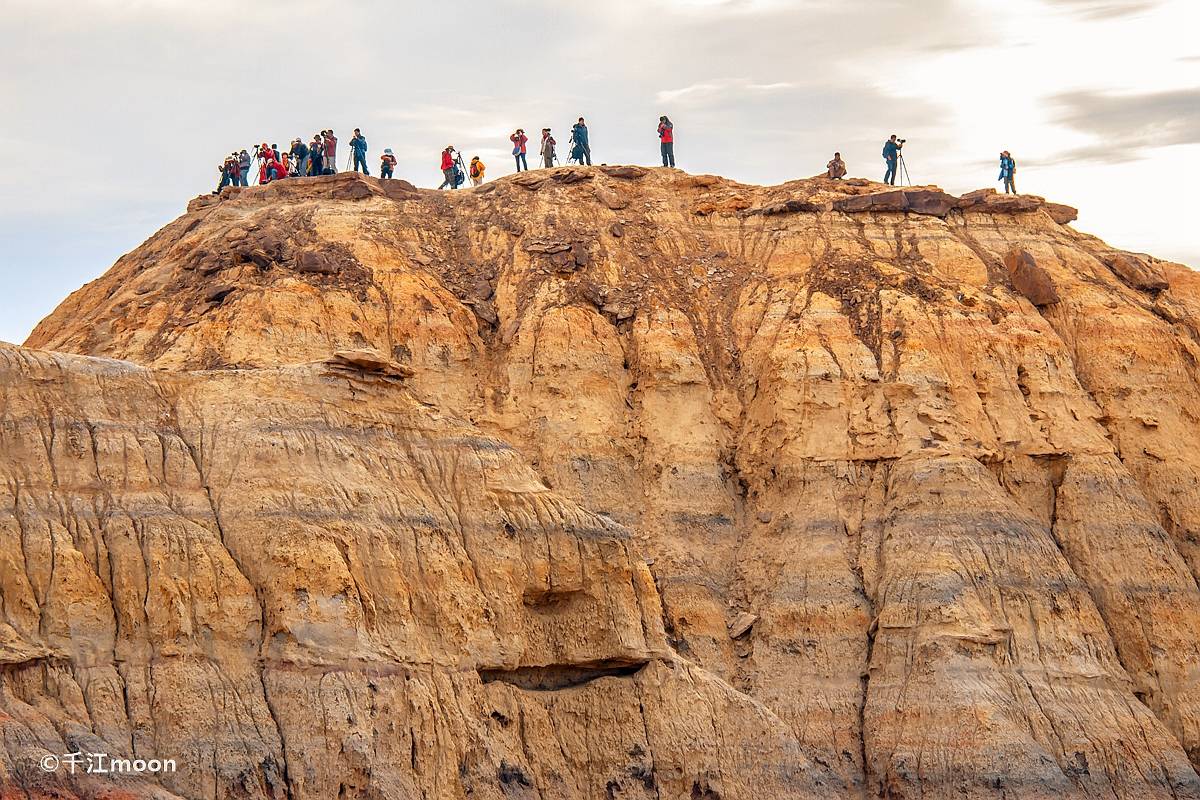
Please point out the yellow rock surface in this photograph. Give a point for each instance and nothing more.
(645, 407)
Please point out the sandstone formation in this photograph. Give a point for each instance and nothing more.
(608, 483)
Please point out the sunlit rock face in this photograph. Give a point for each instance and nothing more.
(607, 483)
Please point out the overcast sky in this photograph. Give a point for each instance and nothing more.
(116, 112)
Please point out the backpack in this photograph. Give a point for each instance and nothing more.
(474, 169)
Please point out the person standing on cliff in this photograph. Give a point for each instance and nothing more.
(1008, 172)
(519, 140)
(579, 135)
(891, 154)
(547, 150)
(387, 164)
(666, 140)
(478, 168)
(244, 167)
(448, 167)
(836, 168)
(330, 143)
(299, 157)
(316, 155)
(358, 143)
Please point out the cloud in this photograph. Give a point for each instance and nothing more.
(1103, 9)
(711, 92)
(1125, 126)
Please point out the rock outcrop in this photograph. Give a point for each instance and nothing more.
(608, 483)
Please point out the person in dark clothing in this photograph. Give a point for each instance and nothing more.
(891, 154)
(244, 168)
(520, 140)
(299, 157)
(275, 151)
(387, 163)
(316, 155)
(358, 143)
(579, 135)
(1008, 172)
(230, 173)
(666, 137)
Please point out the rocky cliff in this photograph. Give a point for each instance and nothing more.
(656, 486)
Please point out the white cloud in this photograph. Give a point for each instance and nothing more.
(713, 92)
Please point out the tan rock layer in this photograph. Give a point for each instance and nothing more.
(963, 523)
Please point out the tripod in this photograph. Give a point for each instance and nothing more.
(460, 171)
(902, 169)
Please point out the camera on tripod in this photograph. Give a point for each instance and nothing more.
(901, 141)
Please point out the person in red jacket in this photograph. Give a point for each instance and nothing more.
(519, 139)
(448, 167)
(330, 151)
(666, 136)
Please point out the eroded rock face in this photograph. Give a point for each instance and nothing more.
(696, 490)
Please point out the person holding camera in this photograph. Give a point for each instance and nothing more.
(358, 144)
(579, 136)
(387, 164)
(836, 168)
(547, 151)
(891, 154)
(244, 167)
(316, 155)
(1008, 172)
(666, 140)
(448, 167)
(519, 140)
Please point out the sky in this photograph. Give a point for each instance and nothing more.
(116, 112)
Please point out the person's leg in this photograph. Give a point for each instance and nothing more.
(671, 152)
(525, 161)
(587, 153)
(517, 158)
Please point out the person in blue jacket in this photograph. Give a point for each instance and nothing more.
(1008, 172)
(891, 154)
(359, 145)
(579, 135)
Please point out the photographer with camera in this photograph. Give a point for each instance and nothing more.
(244, 168)
(836, 168)
(891, 154)
(519, 140)
(1008, 172)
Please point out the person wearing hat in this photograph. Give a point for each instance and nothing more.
(519, 139)
(230, 172)
(448, 167)
(299, 157)
(547, 150)
(358, 143)
(387, 163)
(1008, 172)
(316, 155)
(244, 167)
(477, 170)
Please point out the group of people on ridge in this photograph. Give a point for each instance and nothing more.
(319, 157)
(581, 149)
(836, 168)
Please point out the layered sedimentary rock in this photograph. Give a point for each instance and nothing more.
(625, 483)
